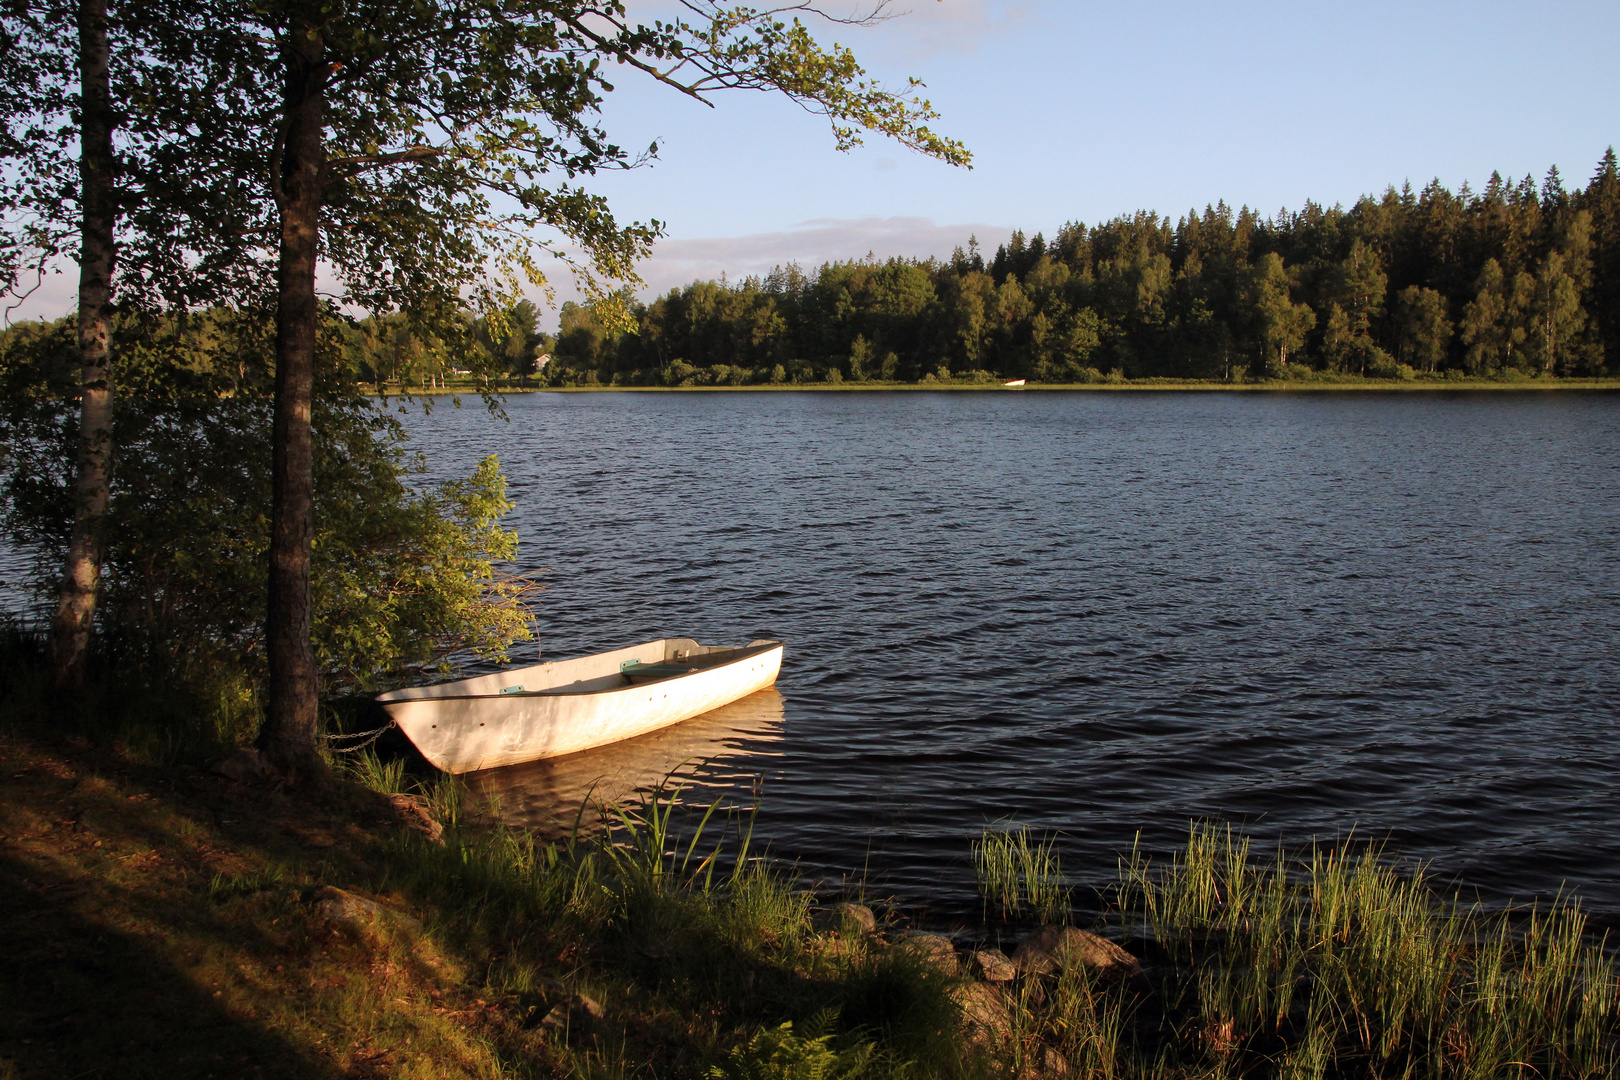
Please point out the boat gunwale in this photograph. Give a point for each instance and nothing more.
(744, 652)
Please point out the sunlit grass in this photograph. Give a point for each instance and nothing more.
(1339, 963)
(1020, 876)
(370, 771)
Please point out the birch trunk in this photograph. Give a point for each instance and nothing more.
(81, 576)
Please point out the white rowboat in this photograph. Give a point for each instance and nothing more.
(563, 706)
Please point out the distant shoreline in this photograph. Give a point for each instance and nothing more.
(1200, 385)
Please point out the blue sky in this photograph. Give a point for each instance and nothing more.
(1082, 112)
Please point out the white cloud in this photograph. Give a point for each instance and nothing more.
(679, 261)
(903, 30)
(810, 244)
(924, 28)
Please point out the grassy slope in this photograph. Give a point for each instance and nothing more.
(153, 925)
(158, 922)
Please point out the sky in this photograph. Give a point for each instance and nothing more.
(1081, 112)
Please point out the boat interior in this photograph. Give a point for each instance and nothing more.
(635, 665)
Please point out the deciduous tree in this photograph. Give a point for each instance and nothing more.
(1422, 327)
(416, 151)
(1280, 324)
(117, 131)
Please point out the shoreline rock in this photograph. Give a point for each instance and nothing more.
(355, 912)
(845, 916)
(934, 950)
(1051, 950)
(992, 965)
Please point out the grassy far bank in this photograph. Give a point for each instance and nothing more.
(1447, 385)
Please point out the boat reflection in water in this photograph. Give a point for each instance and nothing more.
(718, 754)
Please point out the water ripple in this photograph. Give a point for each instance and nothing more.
(1108, 614)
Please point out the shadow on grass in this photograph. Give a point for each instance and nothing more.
(83, 999)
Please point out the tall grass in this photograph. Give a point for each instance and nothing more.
(666, 906)
(1019, 876)
(368, 769)
(1339, 963)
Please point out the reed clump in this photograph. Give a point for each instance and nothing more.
(1019, 875)
(1332, 963)
(1338, 963)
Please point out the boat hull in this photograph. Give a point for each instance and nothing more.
(471, 725)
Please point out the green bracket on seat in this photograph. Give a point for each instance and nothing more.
(628, 664)
(511, 689)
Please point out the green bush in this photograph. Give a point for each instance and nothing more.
(401, 579)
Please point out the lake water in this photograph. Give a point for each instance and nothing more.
(1098, 614)
(1101, 614)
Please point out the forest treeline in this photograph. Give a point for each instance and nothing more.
(1515, 280)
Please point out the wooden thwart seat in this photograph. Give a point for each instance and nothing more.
(647, 673)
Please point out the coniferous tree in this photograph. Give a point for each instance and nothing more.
(1602, 200)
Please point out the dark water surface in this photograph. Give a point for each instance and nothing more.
(1102, 614)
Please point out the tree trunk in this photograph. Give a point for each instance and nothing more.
(289, 736)
(81, 577)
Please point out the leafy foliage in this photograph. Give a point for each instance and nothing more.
(402, 578)
(189, 230)
(778, 1054)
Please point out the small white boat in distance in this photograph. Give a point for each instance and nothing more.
(559, 707)
(1015, 382)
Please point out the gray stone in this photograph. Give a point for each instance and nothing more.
(247, 766)
(1052, 949)
(358, 913)
(935, 950)
(413, 812)
(984, 1012)
(992, 965)
(847, 916)
(1050, 1063)
(579, 1015)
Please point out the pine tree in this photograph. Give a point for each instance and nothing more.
(1602, 200)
